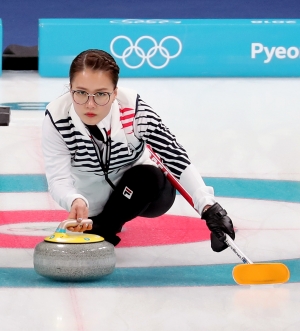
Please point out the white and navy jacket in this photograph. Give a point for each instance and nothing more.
(77, 168)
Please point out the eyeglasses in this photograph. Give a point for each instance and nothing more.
(82, 97)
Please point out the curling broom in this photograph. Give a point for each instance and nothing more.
(248, 273)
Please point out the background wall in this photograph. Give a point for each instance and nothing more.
(20, 18)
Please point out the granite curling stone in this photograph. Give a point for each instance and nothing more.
(74, 257)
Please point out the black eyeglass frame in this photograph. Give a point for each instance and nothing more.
(91, 95)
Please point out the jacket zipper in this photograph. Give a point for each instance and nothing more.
(104, 165)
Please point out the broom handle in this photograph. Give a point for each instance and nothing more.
(229, 242)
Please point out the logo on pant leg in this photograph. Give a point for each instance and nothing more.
(127, 192)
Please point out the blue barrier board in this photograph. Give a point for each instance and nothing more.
(1, 38)
(175, 48)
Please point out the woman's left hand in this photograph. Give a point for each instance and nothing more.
(218, 223)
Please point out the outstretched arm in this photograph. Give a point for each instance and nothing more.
(58, 167)
(149, 127)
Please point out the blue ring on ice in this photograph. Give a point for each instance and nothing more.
(174, 276)
(243, 188)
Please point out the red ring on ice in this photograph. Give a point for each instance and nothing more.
(163, 230)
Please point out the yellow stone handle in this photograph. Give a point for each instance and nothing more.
(72, 222)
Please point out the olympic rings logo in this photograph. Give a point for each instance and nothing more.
(148, 55)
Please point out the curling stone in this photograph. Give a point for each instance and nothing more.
(74, 256)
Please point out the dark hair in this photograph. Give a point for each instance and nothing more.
(95, 59)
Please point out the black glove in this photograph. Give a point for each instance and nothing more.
(218, 222)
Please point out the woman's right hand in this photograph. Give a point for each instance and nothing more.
(79, 211)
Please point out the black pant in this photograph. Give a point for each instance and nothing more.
(142, 191)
